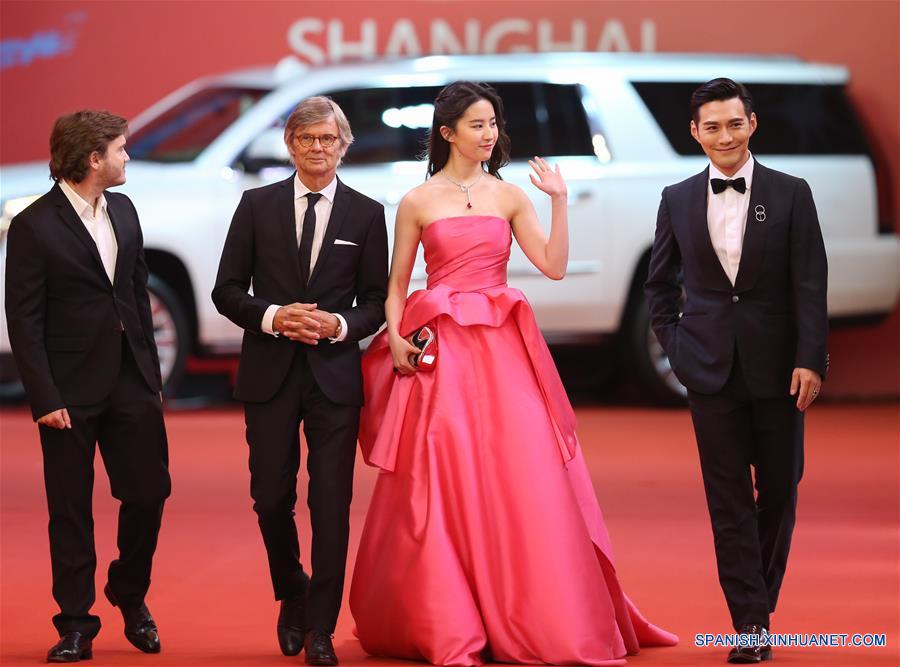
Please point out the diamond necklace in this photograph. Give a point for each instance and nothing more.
(464, 188)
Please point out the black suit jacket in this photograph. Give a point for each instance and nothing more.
(261, 248)
(66, 320)
(775, 314)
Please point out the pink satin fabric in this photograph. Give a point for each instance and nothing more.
(484, 540)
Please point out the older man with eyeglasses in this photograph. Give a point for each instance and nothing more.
(315, 252)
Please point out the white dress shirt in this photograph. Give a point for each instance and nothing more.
(97, 222)
(323, 215)
(726, 217)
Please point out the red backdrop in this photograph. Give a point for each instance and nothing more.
(123, 56)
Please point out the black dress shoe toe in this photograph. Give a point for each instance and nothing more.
(145, 638)
(71, 647)
(290, 640)
(319, 649)
(140, 628)
(744, 655)
(755, 652)
(291, 624)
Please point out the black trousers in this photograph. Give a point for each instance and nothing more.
(128, 425)
(736, 432)
(274, 439)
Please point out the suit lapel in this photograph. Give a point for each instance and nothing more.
(338, 214)
(287, 222)
(754, 244)
(699, 222)
(76, 226)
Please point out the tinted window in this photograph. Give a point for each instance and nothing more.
(568, 131)
(522, 111)
(182, 132)
(392, 123)
(389, 124)
(794, 119)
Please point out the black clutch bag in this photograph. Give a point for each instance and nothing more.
(425, 339)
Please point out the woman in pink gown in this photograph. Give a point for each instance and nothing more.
(484, 540)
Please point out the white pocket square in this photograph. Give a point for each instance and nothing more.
(342, 242)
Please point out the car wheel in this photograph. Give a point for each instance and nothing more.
(650, 363)
(170, 331)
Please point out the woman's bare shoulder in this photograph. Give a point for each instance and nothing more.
(510, 189)
(509, 196)
(413, 206)
(419, 194)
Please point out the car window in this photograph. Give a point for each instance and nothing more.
(526, 125)
(182, 132)
(794, 119)
(567, 129)
(392, 124)
(389, 124)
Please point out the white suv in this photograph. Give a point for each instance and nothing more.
(616, 123)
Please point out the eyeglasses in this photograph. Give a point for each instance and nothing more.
(325, 140)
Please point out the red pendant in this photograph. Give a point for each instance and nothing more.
(469, 205)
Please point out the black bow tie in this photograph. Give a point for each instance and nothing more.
(719, 185)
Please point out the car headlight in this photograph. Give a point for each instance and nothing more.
(10, 208)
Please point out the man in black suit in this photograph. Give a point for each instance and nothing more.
(82, 337)
(749, 342)
(311, 246)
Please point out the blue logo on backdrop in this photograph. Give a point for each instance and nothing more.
(42, 45)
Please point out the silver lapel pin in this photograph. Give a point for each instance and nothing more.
(760, 211)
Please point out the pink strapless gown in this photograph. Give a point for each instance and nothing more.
(484, 540)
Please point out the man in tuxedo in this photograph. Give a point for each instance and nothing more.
(82, 337)
(311, 247)
(749, 342)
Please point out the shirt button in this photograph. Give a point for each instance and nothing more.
(735, 298)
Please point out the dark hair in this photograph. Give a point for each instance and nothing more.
(449, 106)
(717, 90)
(75, 136)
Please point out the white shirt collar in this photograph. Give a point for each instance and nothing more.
(300, 190)
(82, 208)
(745, 172)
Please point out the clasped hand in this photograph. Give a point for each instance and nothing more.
(304, 323)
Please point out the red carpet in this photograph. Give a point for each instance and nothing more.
(211, 594)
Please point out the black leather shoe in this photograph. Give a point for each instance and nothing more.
(319, 649)
(71, 647)
(291, 624)
(140, 628)
(747, 655)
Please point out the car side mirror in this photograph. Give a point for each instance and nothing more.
(267, 150)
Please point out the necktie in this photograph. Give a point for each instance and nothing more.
(306, 236)
(719, 185)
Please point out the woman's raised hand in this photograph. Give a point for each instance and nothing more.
(547, 179)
